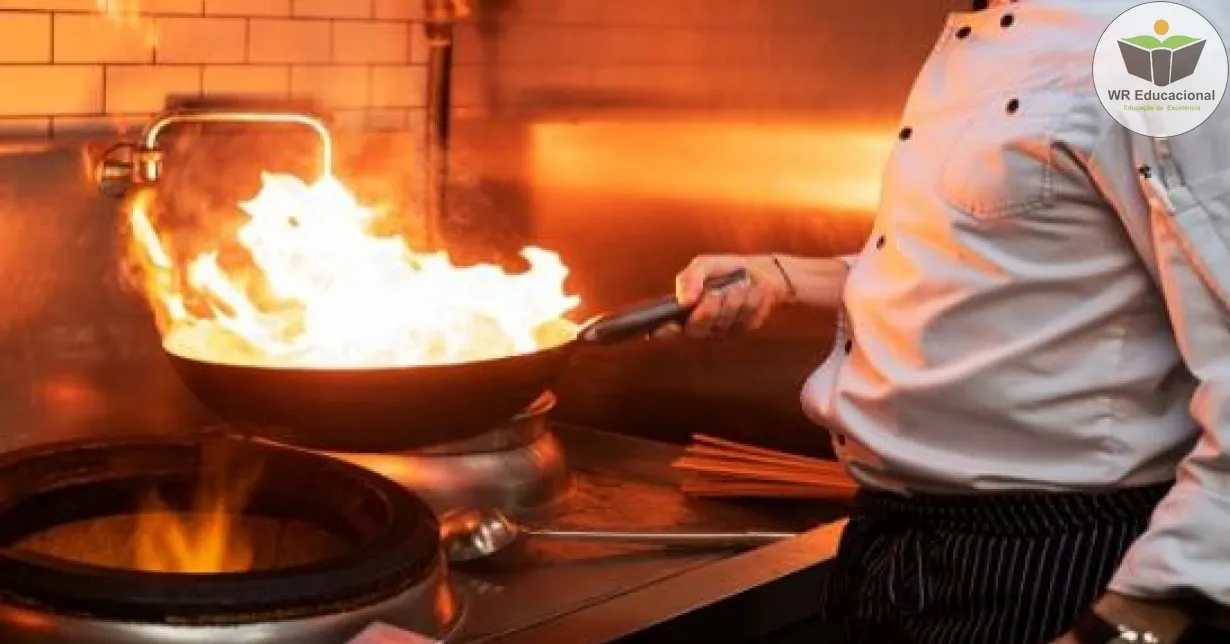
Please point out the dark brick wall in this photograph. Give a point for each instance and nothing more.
(820, 57)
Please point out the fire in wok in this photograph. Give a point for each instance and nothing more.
(308, 280)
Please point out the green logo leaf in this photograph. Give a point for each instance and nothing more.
(1149, 41)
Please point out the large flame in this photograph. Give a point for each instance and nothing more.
(129, 15)
(322, 289)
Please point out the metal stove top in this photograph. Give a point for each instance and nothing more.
(586, 592)
(519, 468)
(621, 482)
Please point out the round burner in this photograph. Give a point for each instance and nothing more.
(328, 547)
(518, 467)
(521, 430)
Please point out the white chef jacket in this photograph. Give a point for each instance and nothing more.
(1044, 301)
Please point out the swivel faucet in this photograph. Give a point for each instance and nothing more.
(440, 17)
(115, 176)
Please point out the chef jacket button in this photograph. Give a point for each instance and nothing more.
(964, 32)
(880, 242)
(1007, 20)
(849, 346)
(1013, 106)
(905, 133)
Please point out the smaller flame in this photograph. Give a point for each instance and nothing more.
(205, 539)
(199, 542)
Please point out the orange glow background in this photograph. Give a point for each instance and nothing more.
(823, 167)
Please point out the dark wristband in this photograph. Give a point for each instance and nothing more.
(1091, 628)
(794, 295)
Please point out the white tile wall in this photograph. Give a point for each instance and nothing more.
(80, 69)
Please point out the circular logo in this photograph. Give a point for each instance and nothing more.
(1160, 69)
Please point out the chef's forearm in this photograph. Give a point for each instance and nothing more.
(1183, 554)
(816, 281)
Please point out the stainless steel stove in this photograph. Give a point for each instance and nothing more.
(318, 549)
(519, 468)
(586, 592)
(539, 591)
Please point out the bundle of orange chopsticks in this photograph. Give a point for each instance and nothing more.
(716, 467)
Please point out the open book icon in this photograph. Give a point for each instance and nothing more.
(1161, 62)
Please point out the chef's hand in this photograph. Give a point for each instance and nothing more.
(1165, 620)
(744, 306)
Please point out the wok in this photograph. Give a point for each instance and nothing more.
(390, 409)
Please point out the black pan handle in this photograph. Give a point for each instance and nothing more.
(646, 318)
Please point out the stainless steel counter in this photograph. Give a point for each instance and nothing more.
(578, 593)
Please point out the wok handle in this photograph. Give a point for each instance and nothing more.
(689, 540)
(650, 316)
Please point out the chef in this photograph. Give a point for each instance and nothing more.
(1031, 376)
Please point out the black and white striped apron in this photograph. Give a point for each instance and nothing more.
(995, 569)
